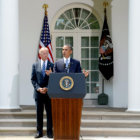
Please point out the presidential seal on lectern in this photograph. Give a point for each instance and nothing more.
(66, 83)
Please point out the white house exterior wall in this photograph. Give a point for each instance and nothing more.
(30, 18)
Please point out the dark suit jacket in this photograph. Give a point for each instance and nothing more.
(74, 66)
(37, 78)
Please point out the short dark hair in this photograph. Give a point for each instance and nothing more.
(68, 46)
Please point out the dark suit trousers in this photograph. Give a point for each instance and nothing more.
(41, 102)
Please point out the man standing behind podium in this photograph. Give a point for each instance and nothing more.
(67, 64)
(39, 78)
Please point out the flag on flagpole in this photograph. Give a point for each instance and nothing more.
(106, 51)
(45, 40)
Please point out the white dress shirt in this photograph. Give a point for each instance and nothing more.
(65, 60)
(45, 63)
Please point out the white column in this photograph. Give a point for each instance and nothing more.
(120, 46)
(9, 51)
(134, 56)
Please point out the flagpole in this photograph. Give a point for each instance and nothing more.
(45, 37)
(105, 4)
(102, 85)
(45, 6)
(105, 65)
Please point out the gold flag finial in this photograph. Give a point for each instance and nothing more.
(105, 4)
(45, 6)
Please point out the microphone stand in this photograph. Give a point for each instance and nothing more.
(67, 68)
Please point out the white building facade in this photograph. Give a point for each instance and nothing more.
(75, 22)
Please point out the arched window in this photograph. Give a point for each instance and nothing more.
(77, 18)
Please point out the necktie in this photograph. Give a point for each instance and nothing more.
(67, 63)
(67, 68)
(43, 69)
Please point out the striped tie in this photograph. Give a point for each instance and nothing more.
(43, 69)
(67, 63)
(67, 66)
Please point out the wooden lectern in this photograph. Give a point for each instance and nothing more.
(66, 92)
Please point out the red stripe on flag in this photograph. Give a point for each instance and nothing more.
(50, 52)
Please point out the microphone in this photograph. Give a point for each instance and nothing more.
(66, 68)
(64, 65)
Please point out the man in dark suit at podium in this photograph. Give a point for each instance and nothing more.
(67, 64)
(39, 78)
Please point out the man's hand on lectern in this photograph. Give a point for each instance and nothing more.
(48, 72)
(86, 73)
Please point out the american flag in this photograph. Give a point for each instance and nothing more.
(45, 40)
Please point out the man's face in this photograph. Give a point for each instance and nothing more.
(66, 51)
(44, 55)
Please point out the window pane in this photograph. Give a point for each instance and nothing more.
(69, 14)
(85, 41)
(94, 53)
(87, 87)
(85, 13)
(73, 22)
(94, 64)
(68, 28)
(69, 41)
(92, 26)
(95, 88)
(86, 27)
(87, 78)
(77, 12)
(77, 21)
(95, 25)
(85, 64)
(91, 19)
(59, 53)
(62, 19)
(94, 41)
(85, 53)
(84, 24)
(81, 21)
(69, 24)
(59, 41)
(95, 76)
(59, 25)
